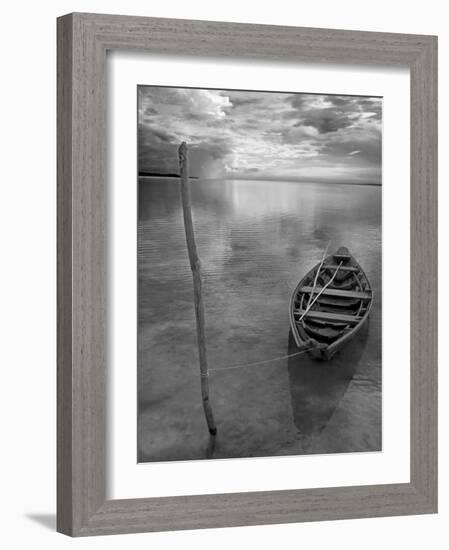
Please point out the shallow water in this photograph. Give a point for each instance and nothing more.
(256, 239)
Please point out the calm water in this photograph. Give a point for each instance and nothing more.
(256, 240)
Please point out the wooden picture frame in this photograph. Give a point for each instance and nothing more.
(83, 40)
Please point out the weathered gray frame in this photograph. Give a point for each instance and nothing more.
(83, 40)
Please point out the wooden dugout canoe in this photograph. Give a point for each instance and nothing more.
(328, 309)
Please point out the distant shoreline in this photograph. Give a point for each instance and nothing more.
(170, 176)
(261, 180)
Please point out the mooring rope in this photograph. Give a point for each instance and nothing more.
(253, 364)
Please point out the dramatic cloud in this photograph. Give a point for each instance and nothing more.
(254, 135)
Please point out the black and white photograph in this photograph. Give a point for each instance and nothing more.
(259, 265)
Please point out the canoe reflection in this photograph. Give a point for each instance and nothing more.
(317, 387)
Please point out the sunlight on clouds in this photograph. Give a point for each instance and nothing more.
(261, 134)
(203, 103)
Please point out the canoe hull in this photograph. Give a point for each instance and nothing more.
(329, 308)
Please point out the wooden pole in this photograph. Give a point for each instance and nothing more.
(195, 266)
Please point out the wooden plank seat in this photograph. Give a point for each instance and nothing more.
(325, 316)
(339, 293)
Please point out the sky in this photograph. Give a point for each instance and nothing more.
(261, 135)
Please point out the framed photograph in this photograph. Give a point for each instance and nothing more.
(247, 274)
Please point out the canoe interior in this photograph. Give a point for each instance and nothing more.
(327, 310)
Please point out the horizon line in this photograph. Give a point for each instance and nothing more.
(286, 180)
